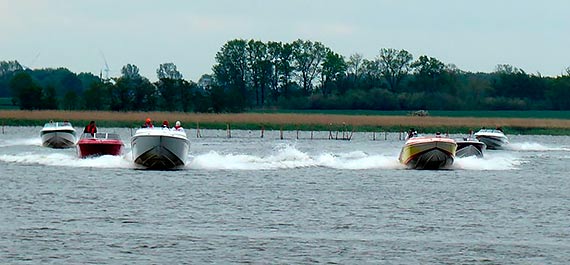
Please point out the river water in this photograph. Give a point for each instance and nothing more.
(248, 199)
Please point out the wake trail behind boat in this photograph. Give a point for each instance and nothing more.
(282, 157)
(24, 141)
(288, 157)
(499, 161)
(527, 146)
(67, 160)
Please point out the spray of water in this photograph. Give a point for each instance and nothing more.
(526, 146)
(491, 161)
(282, 157)
(25, 141)
(67, 160)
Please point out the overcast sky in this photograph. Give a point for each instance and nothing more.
(475, 35)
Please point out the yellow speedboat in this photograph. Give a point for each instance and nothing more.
(428, 152)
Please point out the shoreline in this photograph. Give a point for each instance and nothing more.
(291, 121)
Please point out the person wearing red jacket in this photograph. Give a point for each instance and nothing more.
(90, 128)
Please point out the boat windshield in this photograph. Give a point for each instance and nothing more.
(490, 131)
(101, 135)
(52, 124)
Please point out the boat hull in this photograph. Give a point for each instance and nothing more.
(155, 150)
(96, 147)
(428, 153)
(58, 139)
(493, 142)
(470, 148)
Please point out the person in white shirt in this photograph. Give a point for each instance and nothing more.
(178, 127)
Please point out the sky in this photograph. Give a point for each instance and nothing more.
(476, 36)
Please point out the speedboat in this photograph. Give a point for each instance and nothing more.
(494, 139)
(159, 148)
(428, 152)
(98, 144)
(470, 146)
(58, 135)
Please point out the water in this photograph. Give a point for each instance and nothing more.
(271, 201)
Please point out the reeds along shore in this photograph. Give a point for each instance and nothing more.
(289, 121)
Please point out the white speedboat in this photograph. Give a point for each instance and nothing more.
(58, 135)
(159, 148)
(469, 146)
(428, 152)
(494, 139)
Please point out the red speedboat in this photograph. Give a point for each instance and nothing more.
(99, 144)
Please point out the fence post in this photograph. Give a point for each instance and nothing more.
(262, 131)
(198, 134)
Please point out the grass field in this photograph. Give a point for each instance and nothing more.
(295, 121)
(6, 104)
(541, 114)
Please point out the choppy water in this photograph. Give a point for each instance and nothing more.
(270, 201)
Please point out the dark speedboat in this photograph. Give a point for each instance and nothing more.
(470, 146)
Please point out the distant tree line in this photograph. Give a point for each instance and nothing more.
(250, 74)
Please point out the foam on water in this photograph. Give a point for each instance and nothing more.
(282, 157)
(288, 156)
(67, 160)
(527, 146)
(24, 141)
(489, 162)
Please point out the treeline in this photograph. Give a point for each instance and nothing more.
(251, 74)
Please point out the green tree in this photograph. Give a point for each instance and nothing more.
(231, 71)
(71, 101)
(7, 70)
(49, 98)
(168, 71)
(96, 96)
(26, 93)
(394, 65)
(284, 69)
(133, 91)
(354, 69)
(260, 69)
(371, 76)
(559, 93)
(169, 87)
(429, 73)
(308, 57)
(333, 71)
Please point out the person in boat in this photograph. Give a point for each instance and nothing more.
(90, 128)
(148, 123)
(165, 125)
(178, 127)
(412, 133)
